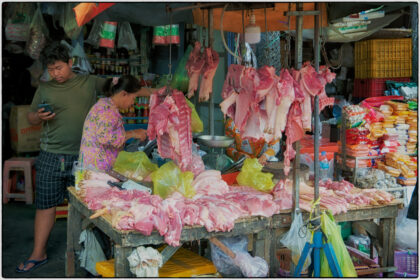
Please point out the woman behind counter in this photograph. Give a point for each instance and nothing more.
(103, 131)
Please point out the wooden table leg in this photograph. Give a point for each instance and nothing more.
(74, 225)
(122, 266)
(387, 239)
(262, 242)
(391, 247)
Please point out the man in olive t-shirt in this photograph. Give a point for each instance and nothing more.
(70, 96)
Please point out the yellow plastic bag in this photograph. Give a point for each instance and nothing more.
(252, 176)
(134, 165)
(333, 233)
(196, 123)
(169, 178)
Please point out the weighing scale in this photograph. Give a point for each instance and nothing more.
(216, 158)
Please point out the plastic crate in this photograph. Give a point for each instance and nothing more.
(362, 262)
(383, 49)
(383, 58)
(406, 263)
(383, 69)
(373, 87)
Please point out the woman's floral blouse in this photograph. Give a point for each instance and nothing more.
(103, 136)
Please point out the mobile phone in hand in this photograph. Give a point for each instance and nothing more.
(47, 108)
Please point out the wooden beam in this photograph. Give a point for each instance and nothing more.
(121, 265)
(370, 227)
(368, 271)
(302, 13)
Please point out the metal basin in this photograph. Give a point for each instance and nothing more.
(215, 141)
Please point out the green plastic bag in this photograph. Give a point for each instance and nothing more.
(180, 79)
(196, 123)
(134, 165)
(333, 233)
(169, 178)
(252, 176)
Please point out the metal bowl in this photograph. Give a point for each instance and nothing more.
(215, 141)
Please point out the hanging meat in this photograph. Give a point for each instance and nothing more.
(170, 123)
(194, 66)
(264, 105)
(204, 64)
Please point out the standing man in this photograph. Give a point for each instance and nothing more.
(70, 97)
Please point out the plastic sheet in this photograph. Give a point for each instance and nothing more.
(145, 262)
(252, 176)
(223, 262)
(135, 165)
(169, 178)
(126, 37)
(406, 231)
(295, 240)
(38, 33)
(95, 33)
(196, 122)
(91, 253)
(180, 79)
(333, 233)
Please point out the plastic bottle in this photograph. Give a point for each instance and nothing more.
(324, 166)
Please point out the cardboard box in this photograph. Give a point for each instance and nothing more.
(24, 136)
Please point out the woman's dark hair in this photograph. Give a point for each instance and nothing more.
(127, 82)
(54, 52)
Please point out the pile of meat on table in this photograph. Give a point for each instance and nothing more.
(336, 196)
(202, 64)
(264, 105)
(216, 205)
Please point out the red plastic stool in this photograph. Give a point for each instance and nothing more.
(18, 164)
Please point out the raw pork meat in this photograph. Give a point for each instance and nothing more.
(208, 72)
(170, 122)
(194, 67)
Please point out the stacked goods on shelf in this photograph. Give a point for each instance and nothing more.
(359, 141)
(379, 60)
(400, 166)
(400, 125)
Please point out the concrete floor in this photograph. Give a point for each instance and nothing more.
(17, 242)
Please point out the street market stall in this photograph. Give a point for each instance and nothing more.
(166, 192)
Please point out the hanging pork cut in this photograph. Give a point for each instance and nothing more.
(264, 105)
(202, 64)
(208, 72)
(170, 123)
(194, 66)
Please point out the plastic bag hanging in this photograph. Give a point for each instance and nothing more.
(108, 33)
(38, 33)
(126, 37)
(95, 33)
(68, 22)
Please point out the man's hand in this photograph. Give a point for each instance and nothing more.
(45, 116)
(36, 118)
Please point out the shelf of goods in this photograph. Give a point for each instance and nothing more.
(373, 145)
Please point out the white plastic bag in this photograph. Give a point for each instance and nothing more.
(243, 264)
(406, 231)
(145, 262)
(295, 241)
(251, 266)
(92, 251)
(223, 262)
(126, 37)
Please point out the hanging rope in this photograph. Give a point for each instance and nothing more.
(223, 35)
(288, 53)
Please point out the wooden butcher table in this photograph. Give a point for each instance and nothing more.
(265, 233)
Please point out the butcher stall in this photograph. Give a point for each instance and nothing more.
(265, 232)
(140, 205)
